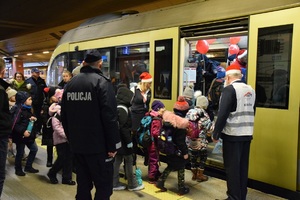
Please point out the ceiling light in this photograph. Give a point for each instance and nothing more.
(16, 56)
(45, 52)
(29, 54)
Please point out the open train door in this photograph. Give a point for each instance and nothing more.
(273, 69)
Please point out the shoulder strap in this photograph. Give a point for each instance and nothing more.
(48, 125)
(124, 107)
(210, 87)
(16, 118)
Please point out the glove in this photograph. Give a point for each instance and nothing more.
(28, 86)
(130, 145)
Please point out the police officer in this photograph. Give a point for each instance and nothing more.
(89, 117)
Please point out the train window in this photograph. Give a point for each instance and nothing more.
(132, 60)
(163, 69)
(273, 66)
(54, 75)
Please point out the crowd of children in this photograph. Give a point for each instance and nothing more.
(189, 123)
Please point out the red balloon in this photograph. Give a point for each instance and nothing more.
(234, 40)
(233, 49)
(202, 46)
(210, 41)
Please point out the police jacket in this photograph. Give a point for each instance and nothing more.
(89, 113)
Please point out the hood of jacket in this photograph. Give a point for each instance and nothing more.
(175, 120)
(124, 96)
(54, 108)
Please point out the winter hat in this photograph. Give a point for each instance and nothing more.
(233, 69)
(241, 54)
(11, 92)
(145, 77)
(92, 55)
(21, 97)
(181, 104)
(156, 105)
(201, 101)
(50, 91)
(58, 93)
(188, 91)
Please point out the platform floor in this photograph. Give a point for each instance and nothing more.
(37, 186)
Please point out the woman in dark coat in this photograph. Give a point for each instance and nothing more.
(140, 106)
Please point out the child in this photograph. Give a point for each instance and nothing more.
(67, 75)
(11, 93)
(197, 142)
(124, 96)
(21, 136)
(188, 94)
(64, 157)
(47, 136)
(178, 160)
(156, 113)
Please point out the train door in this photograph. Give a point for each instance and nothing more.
(204, 59)
(274, 72)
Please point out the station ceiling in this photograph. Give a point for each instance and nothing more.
(35, 26)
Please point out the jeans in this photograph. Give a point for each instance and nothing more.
(3, 154)
(20, 152)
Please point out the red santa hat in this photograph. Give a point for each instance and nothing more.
(145, 77)
(233, 69)
(241, 54)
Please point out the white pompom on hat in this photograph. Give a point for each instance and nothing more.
(233, 69)
(145, 77)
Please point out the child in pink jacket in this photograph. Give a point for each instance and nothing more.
(64, 156)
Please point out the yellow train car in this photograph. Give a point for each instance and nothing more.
(167, 43)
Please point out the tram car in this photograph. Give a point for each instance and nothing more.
(171, 42)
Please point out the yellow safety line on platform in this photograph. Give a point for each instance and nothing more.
(152, 190)
(39, 143)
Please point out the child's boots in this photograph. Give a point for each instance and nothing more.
(183, 190)
(161, 185)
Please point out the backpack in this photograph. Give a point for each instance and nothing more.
(47, 138)
(165, 142)
(193, 129)
(127, 112)
(143, 134)
(214, 93)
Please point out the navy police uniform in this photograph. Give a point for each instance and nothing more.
(89, 117)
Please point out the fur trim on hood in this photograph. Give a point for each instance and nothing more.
(54, 108)
(175, 120)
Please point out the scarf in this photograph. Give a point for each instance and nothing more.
(19, 84)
